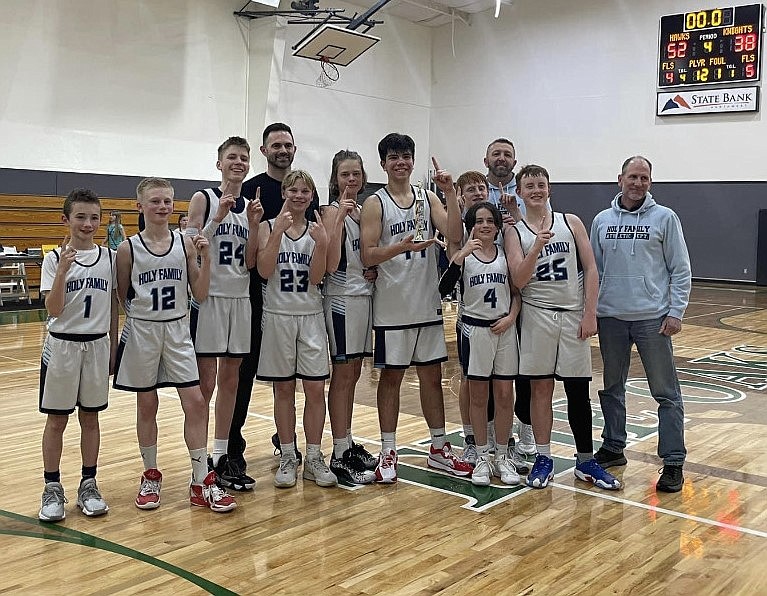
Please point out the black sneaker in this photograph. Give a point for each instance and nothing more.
(368, 459)
(671, 479)
(238, 460)
(607, 458)
(351, 468)
(232, 476)
(278, 450)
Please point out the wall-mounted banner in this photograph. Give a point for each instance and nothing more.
(686, 103)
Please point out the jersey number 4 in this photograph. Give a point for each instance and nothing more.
(551, 271)
(491, 298)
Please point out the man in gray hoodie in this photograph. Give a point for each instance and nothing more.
(645, 279)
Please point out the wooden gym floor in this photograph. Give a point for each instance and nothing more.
(430, 533)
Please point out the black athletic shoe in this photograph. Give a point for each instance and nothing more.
(608, 459)
(232, 476)
(237, 459)
(278, 449)
(671, 479)
(369, 461)
(351, 468)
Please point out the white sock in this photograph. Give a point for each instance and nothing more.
(288, 449)
(313, 451)
(543, 449)
(349, 437)
(468, 429)
(199, 459)
(220, 447)
(149, 456)
(388, 442)
(437, 437)
(339, 446)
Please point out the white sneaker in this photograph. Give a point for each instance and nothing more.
(506, 470)
(52, 503)
(89, 499)
(386, 470)
(482, 471)
(287, 473)
(470, 454)
(317, 470)
(526, 443)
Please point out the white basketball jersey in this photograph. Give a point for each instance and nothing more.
(229, 277)
(348, 279)
(159, 288)
(407, 287)
(557, 281)
(288, 290)
(87, 294)
(485, 287)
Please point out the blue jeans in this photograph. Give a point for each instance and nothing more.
(656, 352)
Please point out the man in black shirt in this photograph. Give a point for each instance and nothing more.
(279, 150)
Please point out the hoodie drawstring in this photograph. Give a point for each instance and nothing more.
(636, 228)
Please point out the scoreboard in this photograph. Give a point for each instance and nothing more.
(705, 47)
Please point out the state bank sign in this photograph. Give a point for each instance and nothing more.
(687, 103)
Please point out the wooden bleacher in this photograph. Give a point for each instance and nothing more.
(30, 221)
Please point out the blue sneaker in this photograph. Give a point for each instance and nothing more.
(591, 471)
(542, 472)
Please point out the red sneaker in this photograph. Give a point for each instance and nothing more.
(445, 459)
(149, 493)
(208, 494)
(386, 470)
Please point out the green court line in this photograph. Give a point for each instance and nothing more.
(58, 533)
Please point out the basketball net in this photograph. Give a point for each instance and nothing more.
(328, 73)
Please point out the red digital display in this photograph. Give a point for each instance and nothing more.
(720, 45)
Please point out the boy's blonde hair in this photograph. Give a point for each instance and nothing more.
(294, 175)
(150, 183)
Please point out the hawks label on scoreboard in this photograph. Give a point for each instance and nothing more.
(709, 47)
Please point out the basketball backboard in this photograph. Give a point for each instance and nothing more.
(335, 44)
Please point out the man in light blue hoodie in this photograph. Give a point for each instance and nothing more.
(644, 272)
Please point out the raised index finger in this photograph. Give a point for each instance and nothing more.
(65, 242)
(436, 164)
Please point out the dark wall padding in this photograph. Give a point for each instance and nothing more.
(719, 219)
(34, 182)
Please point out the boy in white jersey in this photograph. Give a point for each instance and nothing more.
(551, 261)
(220, 325)
(292, 259)
(155, 270)
(489, 342)
(79, 283)
(407, 311)
(348, 303)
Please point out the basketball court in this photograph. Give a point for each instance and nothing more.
(430, 532)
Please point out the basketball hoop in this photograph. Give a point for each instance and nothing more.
(332, 47)
(328, 74)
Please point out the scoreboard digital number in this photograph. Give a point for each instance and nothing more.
(709, 47)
